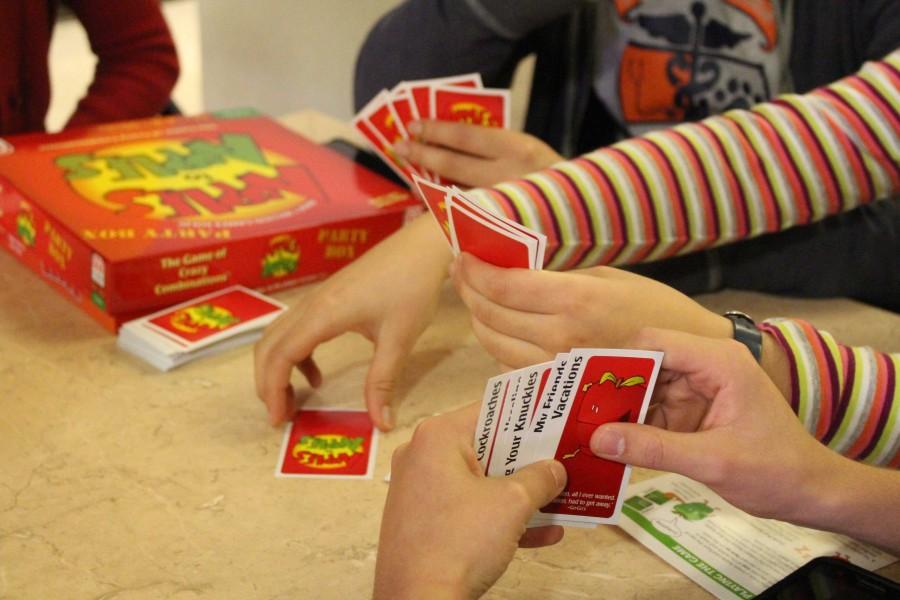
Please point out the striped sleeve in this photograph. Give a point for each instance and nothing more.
(791, 161)
(847, 397)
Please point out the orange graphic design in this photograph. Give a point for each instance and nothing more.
(623, 7)
(682, 69)
(763, 14)
(649, 84)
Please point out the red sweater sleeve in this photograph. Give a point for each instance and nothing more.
(137, 65)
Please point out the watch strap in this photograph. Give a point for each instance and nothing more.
(746, 332)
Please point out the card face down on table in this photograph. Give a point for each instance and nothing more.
(330, 443)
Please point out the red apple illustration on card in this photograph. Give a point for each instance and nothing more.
(610, 399)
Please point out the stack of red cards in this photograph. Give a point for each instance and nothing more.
(470, 228)
(199, 327)
(550, 410)
(463, 98)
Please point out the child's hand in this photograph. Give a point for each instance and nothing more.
(473, 155)
(448, 531)
(388, 295)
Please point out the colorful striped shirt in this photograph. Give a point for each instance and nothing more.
(848, 398)
(791, 161)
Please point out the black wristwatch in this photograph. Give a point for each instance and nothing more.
(746, 332)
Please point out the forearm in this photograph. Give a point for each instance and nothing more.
(792, 161)
(853, 499)
(847, 397)
(434, 38)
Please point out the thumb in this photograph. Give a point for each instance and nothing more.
(381, 381)
(651, 447)
(543, 481)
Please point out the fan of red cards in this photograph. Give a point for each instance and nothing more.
(470, 228)
(463, 98)
(550, 410)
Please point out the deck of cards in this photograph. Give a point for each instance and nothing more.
(469, 228)
(463, 98)
(200, 327)
(550, 410)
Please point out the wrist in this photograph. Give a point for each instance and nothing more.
(774, 362)
(426, 239)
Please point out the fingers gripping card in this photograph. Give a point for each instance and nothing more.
(600, 386)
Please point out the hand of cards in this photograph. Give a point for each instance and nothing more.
(550, 410)
(385, 119)
(470, 228)
(199, 327)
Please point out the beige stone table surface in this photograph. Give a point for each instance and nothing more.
(117, 481)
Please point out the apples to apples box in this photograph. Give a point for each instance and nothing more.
(127, 218)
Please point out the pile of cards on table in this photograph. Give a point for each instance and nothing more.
(199, 327)
(470, 228)
(463, 98)
(550, 410)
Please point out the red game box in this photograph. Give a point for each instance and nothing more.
(127, 218)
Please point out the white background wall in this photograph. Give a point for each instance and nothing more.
(283, 55)
(278, 56)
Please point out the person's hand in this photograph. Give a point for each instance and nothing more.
(473, 155)
(523, 317)
(718, 419)
(388, 295)
(448, 531)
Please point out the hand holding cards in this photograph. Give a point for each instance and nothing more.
(550, 410)
(200, 327)
(385, 119)
(470, 228)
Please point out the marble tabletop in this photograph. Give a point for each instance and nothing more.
(117, 481)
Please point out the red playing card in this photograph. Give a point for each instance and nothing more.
(211, 315)
(488, 108)
(540, 240)
(487, 241)
(402, 106)
(435, 198)
(421, 90)
(328, 443)
(382, 149)
(386, 122)
(610, 389)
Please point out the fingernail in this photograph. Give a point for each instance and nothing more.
(401, 148)
(387, 416)
(607, 443)
(414, 128)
